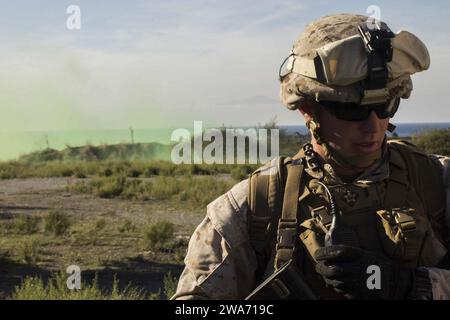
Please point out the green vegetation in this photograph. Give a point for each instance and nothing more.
(34, 288)
(159, 234)
(56, 222)
(170, 285)
(434, 141)
(123, 151)
(127, 226)
(25, 224)
(29, 251)
(197, 190)
(242, 172)
(93, 243)
(108, 168)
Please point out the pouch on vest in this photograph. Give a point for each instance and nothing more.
(402, 232)
(312, 236)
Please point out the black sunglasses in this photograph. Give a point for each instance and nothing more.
(356, 112)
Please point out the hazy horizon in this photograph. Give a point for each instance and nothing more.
(15, 144)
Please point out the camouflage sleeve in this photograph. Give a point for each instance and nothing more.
(440, 278)
(440, 283)
(445, 162)
(220, 262)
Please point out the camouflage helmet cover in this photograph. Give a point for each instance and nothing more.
(296, 87)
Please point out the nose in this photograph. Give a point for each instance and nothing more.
(371, 124)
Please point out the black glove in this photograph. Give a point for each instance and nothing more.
(345, 269)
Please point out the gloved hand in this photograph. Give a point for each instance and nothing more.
(345, 269)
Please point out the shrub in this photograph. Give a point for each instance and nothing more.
(239, 173)
(26, 224)
(100, 224)
(127, 226)
(34, 288)
(29, 251)
(107, 172)
(56, 222)
(80, 173)
(111, 187)
(134, 173)
(170, 285)
(197, 190)
(158, 235)
(66, 172)
(434, 141)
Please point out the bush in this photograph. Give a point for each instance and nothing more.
(240, 173)
(100, 224)
(134, 173)
(26, 224)
(158, 235)
(34, 288)
(29, 251)
(127, 226)
(434, 141)
(111, 187)
(107, 172)
(80, 173)
(56, 222)
(170, 285)
(196, 190)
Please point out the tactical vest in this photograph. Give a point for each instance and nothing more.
(401, 217)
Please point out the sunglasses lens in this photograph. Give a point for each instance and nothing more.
(387, 110)
(352, 113)
(346, 111)
(355, 112)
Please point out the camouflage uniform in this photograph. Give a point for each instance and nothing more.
(220, 263)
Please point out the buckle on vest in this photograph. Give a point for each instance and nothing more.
(405, 222)
(287, 233)
(322, 218)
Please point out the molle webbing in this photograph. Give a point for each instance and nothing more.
(288, 223)
(265, 203)
(409, 168)
(425, 176)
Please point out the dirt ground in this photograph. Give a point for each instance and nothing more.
(105, 251)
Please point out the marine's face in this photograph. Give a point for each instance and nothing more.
(353, 138)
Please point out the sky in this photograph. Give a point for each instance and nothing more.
(152, 64)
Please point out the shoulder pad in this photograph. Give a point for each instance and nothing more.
(272, 166)
(406, 146)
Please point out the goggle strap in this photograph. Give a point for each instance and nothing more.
(391, 128)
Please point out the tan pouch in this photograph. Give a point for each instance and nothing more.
(402, 232)
(312, 236)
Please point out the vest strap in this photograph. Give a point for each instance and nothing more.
(288, 223)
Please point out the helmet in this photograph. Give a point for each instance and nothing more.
(351, 58)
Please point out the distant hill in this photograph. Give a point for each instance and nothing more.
(435, 141)
(123, 151)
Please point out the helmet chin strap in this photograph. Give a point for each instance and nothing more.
(335, 158)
